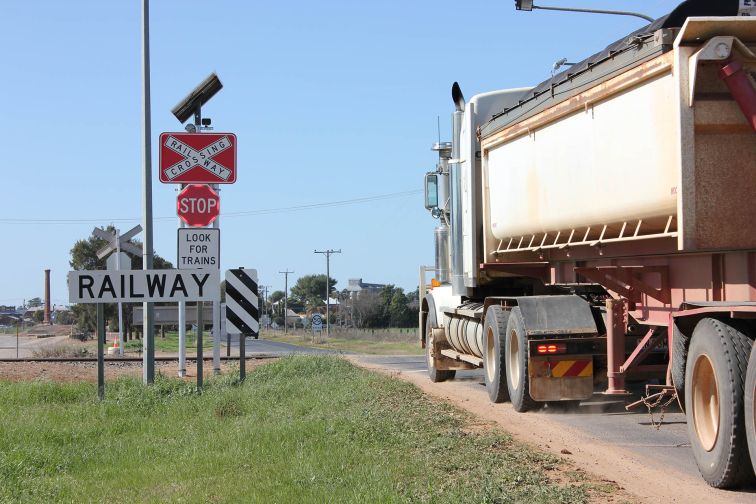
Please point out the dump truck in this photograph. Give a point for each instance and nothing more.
(597, 233)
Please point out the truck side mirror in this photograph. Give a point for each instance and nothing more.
(431, 191)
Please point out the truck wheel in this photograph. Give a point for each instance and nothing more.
(714, 380)
(679, 358)
(517, 363)
(750, 406)
(436, 375)
(494, 358)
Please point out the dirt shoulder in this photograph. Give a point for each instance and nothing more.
(644, 480)
(68, 372)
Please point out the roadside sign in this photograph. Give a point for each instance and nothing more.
(198, 248)
(116, 241)
(317, 322)
(242, 300)
(198, 205)
(137, 286)
(197, 158)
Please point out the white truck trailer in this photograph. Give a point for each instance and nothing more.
(599, 230)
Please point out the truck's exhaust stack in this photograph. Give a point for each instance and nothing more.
(442, 252)
(457, 276)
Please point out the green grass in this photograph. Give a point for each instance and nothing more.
(302, 429)
(169, 343)
(379, 342)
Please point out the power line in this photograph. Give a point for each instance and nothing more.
(245, 213)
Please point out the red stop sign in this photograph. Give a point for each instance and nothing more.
(198, 205)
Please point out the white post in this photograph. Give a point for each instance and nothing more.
(181, 320)
(216, 309)
(182, 338)
(120, 305)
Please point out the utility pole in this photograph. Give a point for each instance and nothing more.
(265, 301)
(328, 253)
(148, 372)
(286, 298)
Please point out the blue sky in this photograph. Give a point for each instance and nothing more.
(330, 101)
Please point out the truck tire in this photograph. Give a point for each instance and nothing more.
(516, 350)
(494, 358)
(679, 358)
(750, 406)
(436, 375)
(714, 379)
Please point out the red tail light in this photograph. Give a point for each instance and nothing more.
(552, 348)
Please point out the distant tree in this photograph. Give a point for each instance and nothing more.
(84, 257)
(310, 291)
(64, 318)
(276, 296)
(366, 308)
(34, 302)
(389, 307)
(38, 316)
(398, 311)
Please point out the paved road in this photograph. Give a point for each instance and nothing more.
(603, 418)
(26, 345)
(261, 346)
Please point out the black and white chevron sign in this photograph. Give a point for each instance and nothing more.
(242, 316)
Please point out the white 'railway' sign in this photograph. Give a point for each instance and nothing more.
(170, 285)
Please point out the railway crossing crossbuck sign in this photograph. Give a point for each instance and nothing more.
(242, 315)
(197, 158)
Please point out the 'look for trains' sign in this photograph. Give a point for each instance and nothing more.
(197, 158)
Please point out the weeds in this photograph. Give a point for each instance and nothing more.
(301, 429)
(61, 351)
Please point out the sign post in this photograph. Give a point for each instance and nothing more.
(144, 286)
(317, 323)
(242, 315)
(116, 242)
(100, 351)
(200, 356)
(196, 157)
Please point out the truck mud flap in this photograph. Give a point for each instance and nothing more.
(562, 378)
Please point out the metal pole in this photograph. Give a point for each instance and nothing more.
(200, 363)
(148, 370)
(181, 319)
(615, 345)
(286, 299)
(216, 309)
(328, 253)
(597, 11)
(328, 297)
(182, 338)
(100, 351)
(17, 324)
(120, 305)
(242, 358)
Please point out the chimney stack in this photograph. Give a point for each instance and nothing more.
(47, 297)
